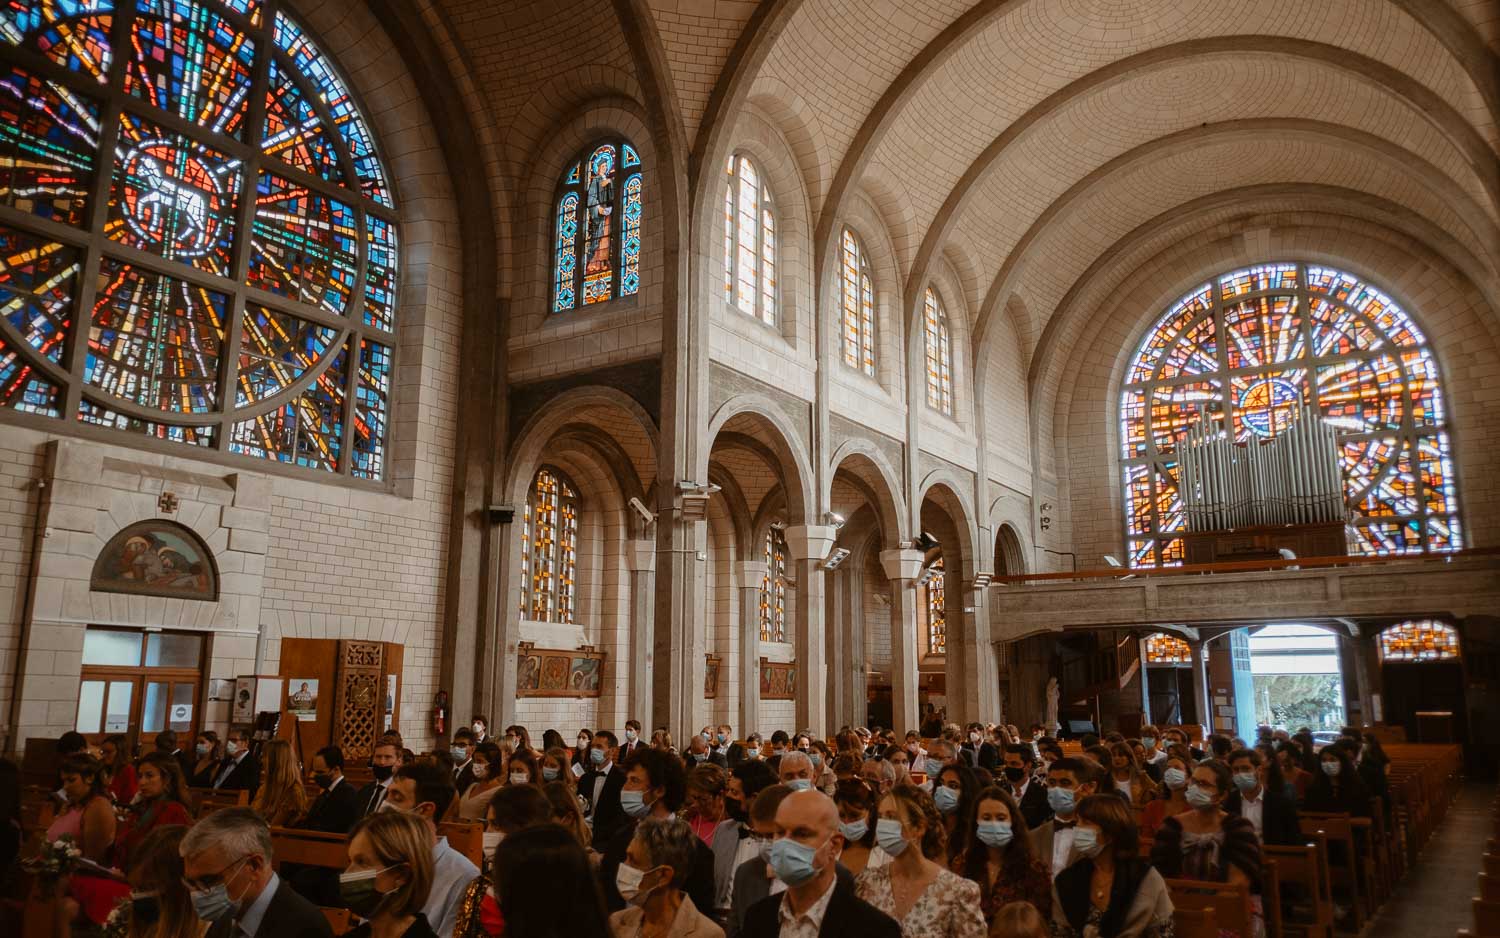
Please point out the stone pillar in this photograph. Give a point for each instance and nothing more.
(808, 545)
(981, 671)
(681, 606)
(903, 567)
(855, 707)
(1145, 685)
(1356, 682)
(1202, 703)
(637, 671)
(835, 629)
(750, 573)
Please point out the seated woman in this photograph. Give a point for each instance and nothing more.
(547, 887)
(159, 905)
(207, 758)
(859, 805)
(565, 811)
(1001, 858)
(1337, 788)
(1289, 757)
(651, 881)
(1207, 843)
(705, 800)
(389, 875)
(119, 774)
(1128, 778)
(1020, 920)
(1110, 891)
(513, 809)
(1171, 797)
(522, 768)
(88, 819)
(486, 766)
(916, 888)
(281, 798)
(954, 792)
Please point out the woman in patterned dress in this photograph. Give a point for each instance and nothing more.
(1000, 858)
(918, 891)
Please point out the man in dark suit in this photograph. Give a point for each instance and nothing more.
(462, 752)
(809, 818)
(239, 771)
(699, 752)
(337, 808)
(227, 855)
(166, 742)
(633, 742)
(600, 786)
(384, 760)
(724, 745)
(1072, 780)
(1030, 794)
(1273, 814)
(981, 753)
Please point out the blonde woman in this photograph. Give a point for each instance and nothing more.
(1128, 778)
(389, 876)
(281, 798)
(916, 888)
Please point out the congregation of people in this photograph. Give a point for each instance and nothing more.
(970, 831)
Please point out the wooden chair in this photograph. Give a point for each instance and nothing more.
(1344, 864)
(309, 848)
(1270, 895)
(1195, 923)
(1230, 902)
(1303, 886)
(467, 837)
(338, 919)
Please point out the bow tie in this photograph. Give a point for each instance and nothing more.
(1063, 825)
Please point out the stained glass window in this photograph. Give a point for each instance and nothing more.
(937, 608)
(857, 306)
(1258, 345)
(1421, 640)
(241, 283)
(597, 228)
(773, 588)
(1162, 648)
(749, 242)
(549, 550)
(939, 355)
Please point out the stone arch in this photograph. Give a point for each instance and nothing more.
(611, 414)
(1010, 554)
(758, 416)
(865, 461)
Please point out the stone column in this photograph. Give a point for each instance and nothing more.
(808, 545)
(835, 632)
(1356, 682)
(855, 705)
(750, 573)
(903, 567)
(1203, 703)
(637, 671)
(681, 605)
(981, 685)
(1145, 685)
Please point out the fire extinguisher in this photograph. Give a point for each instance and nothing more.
(440, 714)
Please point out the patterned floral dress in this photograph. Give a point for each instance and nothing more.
(948, 908)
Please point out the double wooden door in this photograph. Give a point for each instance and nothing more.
(136, 684)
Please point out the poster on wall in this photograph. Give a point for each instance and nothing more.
(267, 695)
(390, 699)
(244, 700)
(302, 701)
(778, 681)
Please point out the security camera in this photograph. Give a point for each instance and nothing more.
(834, 559)
(647, 515)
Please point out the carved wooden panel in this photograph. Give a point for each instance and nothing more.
(357, 723)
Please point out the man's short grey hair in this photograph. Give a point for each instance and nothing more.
(239, 832)
(790, 760)
(886, 769)
(669, 842)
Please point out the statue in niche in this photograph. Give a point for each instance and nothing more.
(1053, 694)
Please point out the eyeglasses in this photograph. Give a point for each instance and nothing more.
(213, 879)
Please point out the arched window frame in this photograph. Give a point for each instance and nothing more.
(1181, 365)
(1162, 648)
(856, 305)
(773, 585)
(750, 283)
(573, 287)
(938, 343)
(935, 591)
(549, 549)
(1419, 640)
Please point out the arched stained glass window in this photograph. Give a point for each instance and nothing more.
(749, 243)
(939, 355)
(857, 306)
(197, 236)
(1162, 648)
(773, 588)
(597, 238)
(549, 550)
(1421, 640)
(937, 608)
(1255, 346)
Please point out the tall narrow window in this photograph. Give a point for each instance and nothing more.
(937, 609)
(549, 550)
(597, 228)
(749, 243)
(857, 307)
(939, 356)
(773, 589)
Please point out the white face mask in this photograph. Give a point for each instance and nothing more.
(231, 748)
(478, 729)
(628, 882)
(491, 840)
(520, 778)
(479, 769)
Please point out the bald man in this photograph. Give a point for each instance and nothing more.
(817, 902)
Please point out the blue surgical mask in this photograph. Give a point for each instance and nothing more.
(1061, 800)
(817, 759)
(799, 784)
(946, 799)
(889, 836)
(596, 756)
(934, 766)
(994, 833)
(212, 905)
(633, 803)
(549, 773)
(1245, 781)
(1197, 797)
(1148, 741)
(460, 754)
(1086, 841)
(1175, 778)
(855, 830)
(792, 862)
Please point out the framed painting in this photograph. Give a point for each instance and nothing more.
(711, 676)
(157, 558)
(778, 680)
(555, 672)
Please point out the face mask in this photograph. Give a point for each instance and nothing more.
(1086, 842)
(994, 833)
(699, 756)
(491, 840)
(793, 862)
(1198, 798)
(1014, 774)
(549, 774)
(145, 908)
(630, 736)
(763, 848)
(855, 830)
(974, 738)
(596, 756)
(481, 770)
(1060, 800)
(1148, 741)
(212, 905)
(583, 741)
(628, 882)
(799, 784)
(1175, 778)
(203, 749)
(1331, 768)
(634, 803)
(946, 799)
(934, 765)
(460, 754)
(381, 772)
(723, 738)
(520, 778)
(231, 748)
(753, 752)
(817, 760)
(323, 780)
(888, 835)
(357, 889)
(1245, 781)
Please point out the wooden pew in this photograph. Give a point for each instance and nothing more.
(338, 919)
(1486, 918)
(1349, 865)
(1195, 923)
(1270, 896)
(1230, 902)
(309, 848)
(467, 837)
(219, 798)
(1304, 888)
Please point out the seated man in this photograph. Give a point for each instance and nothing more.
(1069, 781)
(426, 789)
(226, 862)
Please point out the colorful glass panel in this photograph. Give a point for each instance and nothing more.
(304, 245)
(937, 609)
(307, 430)
(371, 407)
(72, 33)
(1357, 359)
(38, 282)
(630, 248)
(597, 229)
(749, 243)
(549, 550)
(857, 307)
(276, 350)
(191, 61)
(939, 352)
(100, 416)
(564, 296)
(773, 588)
(48, 136)
(293, 131)
(1420, 640)
(1162, 648)
(380, 273)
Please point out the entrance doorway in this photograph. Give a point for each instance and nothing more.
(136, 683)
(1297, 678)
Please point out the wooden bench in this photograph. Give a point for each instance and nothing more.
(1230, 902)
(1195, 923)
(467, 837)
(309, 848)
(1349, 866)
(218, 798)
(1304, 888)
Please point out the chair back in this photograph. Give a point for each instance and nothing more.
(309, 848)
(1230, 902)
(467, 837)
(338, 919)
(1195, 923)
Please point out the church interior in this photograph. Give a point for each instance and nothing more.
(857, 378)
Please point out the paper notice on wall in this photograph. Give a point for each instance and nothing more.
(1376, 714)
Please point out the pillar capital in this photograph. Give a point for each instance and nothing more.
(902, 563)
(750, 571)
(642, 556)
(810, 541)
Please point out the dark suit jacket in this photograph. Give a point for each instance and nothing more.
(734, 756)
(608, 816)
(1034, 806)
(847, 915)
(752, 884)
(335, 811)
(186, 761)
(288, 916)
(364, 800)
(714, 758)
(464, 778)
(988, 756)
(1278, 817)
(245, 776)
(627, 750)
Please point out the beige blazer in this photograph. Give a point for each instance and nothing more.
(689, 923)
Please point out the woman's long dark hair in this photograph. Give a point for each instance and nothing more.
(1017, 855)
(541, 870)
(968, 795)
(1116, 822)
(857, 793)
(1351, 787)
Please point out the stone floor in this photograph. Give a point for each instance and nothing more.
(1432, 900)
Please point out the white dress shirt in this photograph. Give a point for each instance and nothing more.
(1254, 810)
(1062, 849)
(810, 922)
